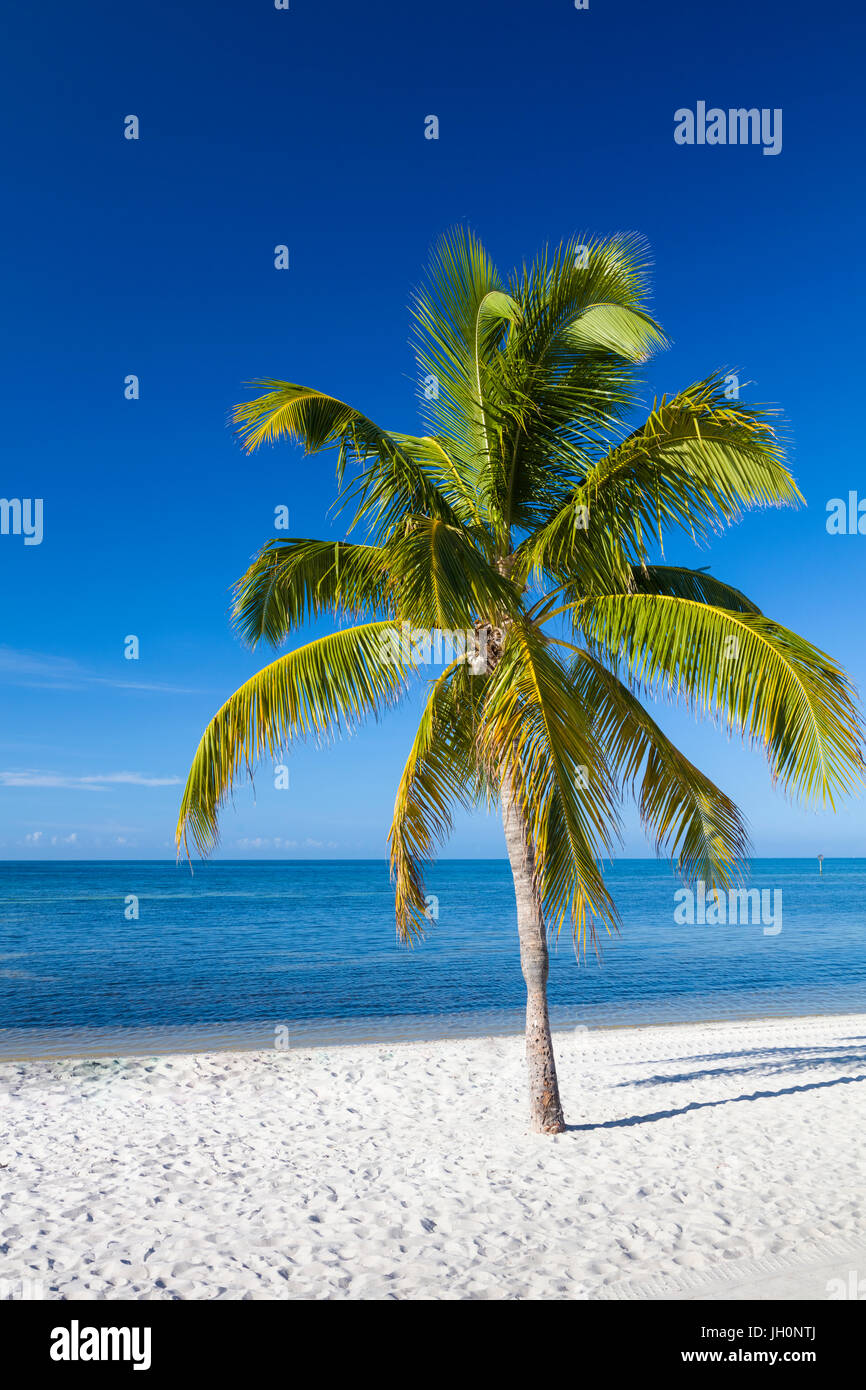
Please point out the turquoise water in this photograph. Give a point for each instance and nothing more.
(239, 955)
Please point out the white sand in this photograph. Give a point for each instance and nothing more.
(705, 1161)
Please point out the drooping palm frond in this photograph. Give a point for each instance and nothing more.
(428, 573)
(588, 294)
(441, 580)
(306, 416)
(534, 732)
(687, 815)
(324, 688)
(291, 581)
(441, 771)
(603, 570)
(696, 464)
(698, 585)
(414, 469)
(761, 679)
(630, 334)
(420, 479)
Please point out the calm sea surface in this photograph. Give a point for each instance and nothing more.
(227, 957)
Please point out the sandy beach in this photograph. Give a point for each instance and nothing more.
(702, 1161)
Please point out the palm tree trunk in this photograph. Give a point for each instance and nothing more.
(545, 1107)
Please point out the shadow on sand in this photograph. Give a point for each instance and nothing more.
(775, 1061)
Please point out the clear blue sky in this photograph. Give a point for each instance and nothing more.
(305, 127)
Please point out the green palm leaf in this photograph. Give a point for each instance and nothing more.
(692, 584)
(695, 465)
(761, 679)
(534, 732)
(442, 580)
(292, 581)
(686, 814)
(325, 688)
(441, 771)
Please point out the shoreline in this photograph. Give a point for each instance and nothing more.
(701, 1160)
(398, 1039)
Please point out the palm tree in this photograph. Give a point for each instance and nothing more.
(529, 515)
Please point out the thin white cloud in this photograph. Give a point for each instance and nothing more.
(277, 842)
(39, 672)
(28, 777)
(265, 842)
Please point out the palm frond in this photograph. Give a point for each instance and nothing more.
(292, 580)
(309, 417)
(612, 328)
(324, 688)
(583, 295)
(698, 585)
(441, 580)
(441, 772)
(565, 374)
(534, 732)
(697, 463)
(419, 478)
(460, 311)
(759, 678)
(684, 811)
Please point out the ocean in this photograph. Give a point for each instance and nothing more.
(242, 955)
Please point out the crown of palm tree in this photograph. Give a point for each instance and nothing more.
(531, 509)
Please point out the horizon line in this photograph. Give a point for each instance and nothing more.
(448, 859)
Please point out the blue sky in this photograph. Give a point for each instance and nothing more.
(155, 257)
